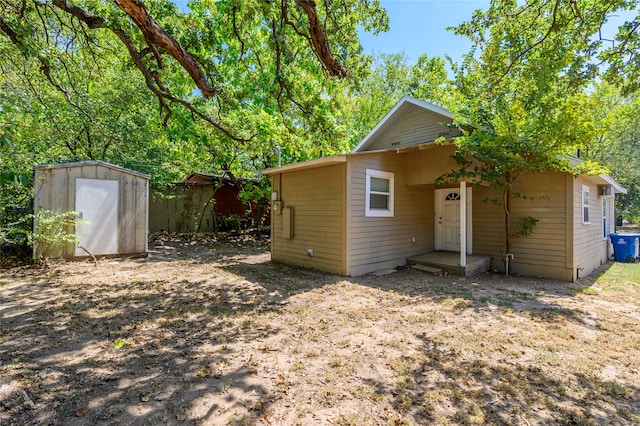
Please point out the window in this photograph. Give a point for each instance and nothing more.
(585, 205)
(379, 193)
(452, 196)
(605, 218)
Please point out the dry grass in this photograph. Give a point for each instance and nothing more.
(211, 332)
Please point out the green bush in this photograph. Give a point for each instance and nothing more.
(53, 231)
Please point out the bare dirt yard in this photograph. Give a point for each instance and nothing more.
(210, 332)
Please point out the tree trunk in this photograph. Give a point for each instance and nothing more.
(204, 211)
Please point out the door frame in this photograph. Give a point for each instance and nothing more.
(439, 194)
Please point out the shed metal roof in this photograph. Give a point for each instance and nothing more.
(91, 163)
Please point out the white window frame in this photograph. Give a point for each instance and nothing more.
(586, 205)
(374, 212)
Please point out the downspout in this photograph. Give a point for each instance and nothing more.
(506, 263)
(463, 224)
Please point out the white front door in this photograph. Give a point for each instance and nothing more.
(97, 227)
(447, 205)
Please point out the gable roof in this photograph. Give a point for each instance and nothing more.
(431, 116)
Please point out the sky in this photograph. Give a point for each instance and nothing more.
(420, 26)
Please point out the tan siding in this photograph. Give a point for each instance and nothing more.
(589, 247)
(417, 126)
(383, 242)
(544, 252)
(317, 197)
(425, 166)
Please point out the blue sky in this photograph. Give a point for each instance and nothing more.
(420, 26)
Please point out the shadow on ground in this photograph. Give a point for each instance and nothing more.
(182, 338)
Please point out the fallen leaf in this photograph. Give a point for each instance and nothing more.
(119, 344)
(80, 413)
(204, 372)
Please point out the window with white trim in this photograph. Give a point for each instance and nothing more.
(605, 218)
(586, 212)
(379, 193)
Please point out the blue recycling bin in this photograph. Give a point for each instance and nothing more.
(625, 247)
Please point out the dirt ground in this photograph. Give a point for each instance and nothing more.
(210, 332)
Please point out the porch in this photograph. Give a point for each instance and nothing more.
(450, 262)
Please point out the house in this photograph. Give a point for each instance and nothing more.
(204, 203)
(379, 205)
(112, 203)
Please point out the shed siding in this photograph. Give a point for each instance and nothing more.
(385, 242)
(55, 190)
(543, 253)
(417, 126)
(317, 198)
(589, 247)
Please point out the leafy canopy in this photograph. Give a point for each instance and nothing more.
(523, 86)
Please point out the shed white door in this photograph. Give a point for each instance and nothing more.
(97, 203)
(447, 204)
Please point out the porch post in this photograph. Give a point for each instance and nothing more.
(463, 223)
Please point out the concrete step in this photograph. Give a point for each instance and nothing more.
(425, 268)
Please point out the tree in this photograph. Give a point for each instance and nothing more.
(616, 142)
(577, 30)
(231, 79)
(524, 103)
(110, 117)
(243, 57)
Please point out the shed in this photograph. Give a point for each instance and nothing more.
(112, 202)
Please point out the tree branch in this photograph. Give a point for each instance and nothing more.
(91, 21)
(320, 43)
(536, 43)
(154, 34)
(158, 36)
(13, 36)
(165, 95)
